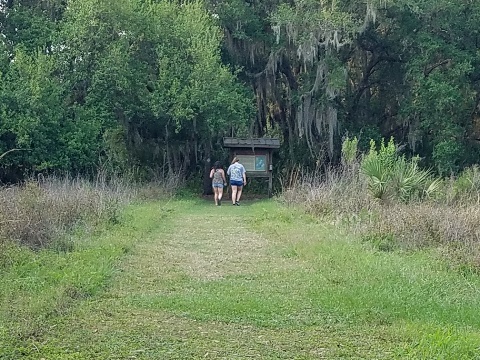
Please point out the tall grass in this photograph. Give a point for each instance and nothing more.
(37, 212)
(46, 264)
(42, 210)
(336, 192)
(446, 219)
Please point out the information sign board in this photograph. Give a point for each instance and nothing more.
(253, 163)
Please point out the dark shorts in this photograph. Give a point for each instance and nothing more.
(236, 183)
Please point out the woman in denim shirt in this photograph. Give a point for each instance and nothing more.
(238, 179)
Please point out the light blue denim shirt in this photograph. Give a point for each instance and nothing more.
(236, 171)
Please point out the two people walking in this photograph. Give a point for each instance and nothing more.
(238, 179)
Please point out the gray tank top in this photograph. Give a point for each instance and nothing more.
(217, 177)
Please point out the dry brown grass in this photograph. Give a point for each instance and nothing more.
(41, 210)
(336, 192)
(341, 195)
(159, 188)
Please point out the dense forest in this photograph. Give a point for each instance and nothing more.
(155, 85)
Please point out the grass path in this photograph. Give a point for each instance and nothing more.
(262, 281)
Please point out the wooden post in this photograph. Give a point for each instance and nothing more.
(270, 183)
(270, 174)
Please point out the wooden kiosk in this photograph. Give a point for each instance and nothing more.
(255, 154)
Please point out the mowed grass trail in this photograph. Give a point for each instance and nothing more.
(259, 281)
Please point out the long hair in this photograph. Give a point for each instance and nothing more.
(217, 165)
(235, 159)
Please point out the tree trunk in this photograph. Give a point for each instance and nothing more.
(207, 182)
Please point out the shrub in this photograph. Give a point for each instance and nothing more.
(422, 211)
(350, 151)
(393, 176)
(447, 155)
(378, 167)
(468, 182)
(39, 211)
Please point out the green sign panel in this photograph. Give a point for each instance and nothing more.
(254, 163)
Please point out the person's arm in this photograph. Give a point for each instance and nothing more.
(211, 173)
(244, 177)
(224, 178)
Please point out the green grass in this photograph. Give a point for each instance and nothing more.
(187, 280)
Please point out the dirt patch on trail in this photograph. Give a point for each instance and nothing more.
(206, 250)
(205, 246)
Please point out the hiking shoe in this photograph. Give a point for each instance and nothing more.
(219, 202)
(237, 203)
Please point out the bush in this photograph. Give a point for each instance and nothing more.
(391, 176)
(421, 211)
(468, 182)
(38, 212)
(349, 151)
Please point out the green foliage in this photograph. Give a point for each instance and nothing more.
(393, 176)
(439, 72)
(410, 182)
(468, 182)
(155, 84)
(410, 69)
(447, 155)
(107, 84)
(349, 151)
(378, 166)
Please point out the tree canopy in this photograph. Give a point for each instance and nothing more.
(377, 68)
(157, 84)
(121, 84)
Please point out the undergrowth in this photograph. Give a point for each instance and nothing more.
(392, 203)
(41, 212)
(39, 288)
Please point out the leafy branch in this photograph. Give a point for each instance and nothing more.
(9, 151)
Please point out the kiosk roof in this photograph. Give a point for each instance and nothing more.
(265, 143)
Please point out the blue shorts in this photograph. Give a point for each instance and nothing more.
(217, 185)
(236, 183)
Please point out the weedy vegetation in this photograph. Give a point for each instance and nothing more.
(40, 212)
(60, 243)
(383, 264)
(391, 202)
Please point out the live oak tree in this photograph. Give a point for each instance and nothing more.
(156, 84)
(321, 69)
(124, 83)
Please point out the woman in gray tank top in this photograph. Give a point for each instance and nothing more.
(217, 174)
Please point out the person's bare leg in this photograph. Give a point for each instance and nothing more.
(239, 193)
(215, 195)
(220, 194)
(234, 194)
